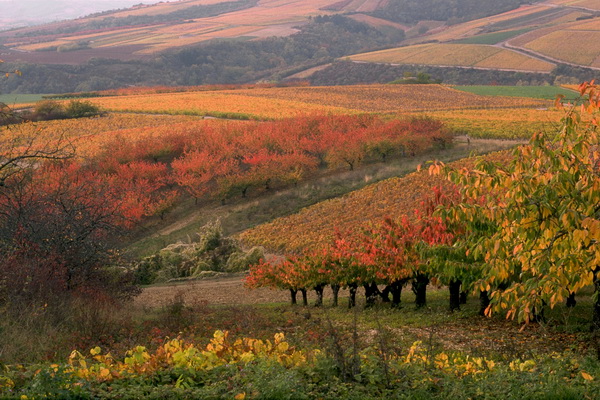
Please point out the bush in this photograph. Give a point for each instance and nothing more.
(81, 109)
(210, 252)
(47, 110)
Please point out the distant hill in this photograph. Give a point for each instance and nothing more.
(195, 42)
(144, 30)
(147, 30)
(17, 14)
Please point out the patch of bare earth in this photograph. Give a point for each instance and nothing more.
(217, 291)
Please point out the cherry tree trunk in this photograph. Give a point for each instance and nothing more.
(454, 288)
(352, 299)
(571, 301)
(371, 294)
(484, 302)
(304, 297)
(319, 291)
(396, 289)
(420, 290)
(336, 292)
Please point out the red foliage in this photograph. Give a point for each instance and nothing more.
(385, 254)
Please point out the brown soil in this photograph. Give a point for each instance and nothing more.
(227, 290)
(218, 291)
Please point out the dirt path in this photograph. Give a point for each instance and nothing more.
(217, 291)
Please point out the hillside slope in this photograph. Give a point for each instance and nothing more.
(195, 42)
(149, 29)
(532, 38)
(145, 30)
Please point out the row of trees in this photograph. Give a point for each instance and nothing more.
(49, 110)
(524, 235)
(225, 160)
(391, 255)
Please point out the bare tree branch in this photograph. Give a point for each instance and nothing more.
(18, 152)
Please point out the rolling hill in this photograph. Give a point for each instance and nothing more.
(196, 42)
(144, 30)
(531, 38)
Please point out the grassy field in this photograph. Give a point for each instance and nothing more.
(14, 99)
(492, 38)
(535, 92)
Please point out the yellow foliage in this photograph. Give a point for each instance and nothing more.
(587, 376)
(177, 353)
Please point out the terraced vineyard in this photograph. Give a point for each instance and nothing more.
(218, 104)
(273, 103)
(90, 127)
(501, 124)
(523, 17)
(544, 41)
(590, 4)
(541, 36)
(461, 55)
(315, 226)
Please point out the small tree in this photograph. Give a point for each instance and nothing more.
(62, 217)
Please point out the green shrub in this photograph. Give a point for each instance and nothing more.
(81, 109)
(48, 109)
(211, 252)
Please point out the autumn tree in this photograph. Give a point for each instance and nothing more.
(287, 274)
(196, 170)
(55, 227)
(545, 205)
